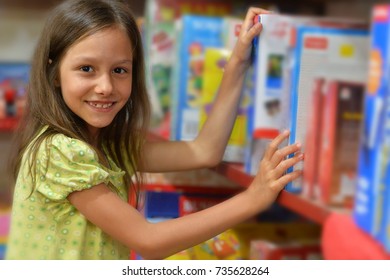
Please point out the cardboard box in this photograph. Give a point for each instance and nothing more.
(267, 250)
(319, 47)
(369, 200)
(341, 128)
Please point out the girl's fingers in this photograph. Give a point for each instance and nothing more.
(250, 29)
(274, 145)
(253, 32)
(248, 21)
(283, 153)
(284, 165)
(287, 178)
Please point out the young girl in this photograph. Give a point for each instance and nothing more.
(83, 140)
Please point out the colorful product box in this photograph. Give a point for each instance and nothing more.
(274, 59)
(339, 141)
(267, 250)
(231, 31)
(369, 199)
(264, 114)
(215, 61)
(312, 141)
(172, 201)
(234, 243)
(13, 85)
(319, 47)
(384, 233)
(160, 39)
(5, 216)
(325, 127)
(160, 62)
(271, 51)
(197, 34)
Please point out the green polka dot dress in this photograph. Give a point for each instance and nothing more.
(44, 225)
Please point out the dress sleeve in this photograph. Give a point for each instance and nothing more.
(65, 165)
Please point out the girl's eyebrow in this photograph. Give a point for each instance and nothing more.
(92, 59)
(125, 61)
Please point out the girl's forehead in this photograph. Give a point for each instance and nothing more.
(110, 38)
(109, 31)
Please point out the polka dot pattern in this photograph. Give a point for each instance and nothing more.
(44, 224)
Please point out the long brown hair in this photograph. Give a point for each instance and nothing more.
(123, 138)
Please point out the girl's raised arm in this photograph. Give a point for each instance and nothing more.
(209, 146)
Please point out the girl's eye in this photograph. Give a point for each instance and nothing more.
(86, 68)
(119, 71)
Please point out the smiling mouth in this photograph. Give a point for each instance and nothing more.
(101, 105)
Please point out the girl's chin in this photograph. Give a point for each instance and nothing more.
(95, 128)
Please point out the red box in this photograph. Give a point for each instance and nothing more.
(341, 128)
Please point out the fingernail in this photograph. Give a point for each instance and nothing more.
(299, 145)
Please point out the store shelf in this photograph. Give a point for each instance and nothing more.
(308, 208)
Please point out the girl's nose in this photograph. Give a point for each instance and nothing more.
(104, 84)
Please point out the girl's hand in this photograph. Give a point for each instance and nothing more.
(249, 31)
(271, 177)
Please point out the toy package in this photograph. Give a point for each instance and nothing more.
(4, 229)
(230, 31)
(384, 233)
(197, 34)
(160, 36)
(265, 113)
(161, 60)
(214, 63)
(168, 201)
(332, 138)
(339, 141)
(320, 47)
(235, 243)
(295, 250)
(274, 60)
(13, 85)
(313, 137)
(371, 202)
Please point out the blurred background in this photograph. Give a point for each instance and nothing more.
(298, 226)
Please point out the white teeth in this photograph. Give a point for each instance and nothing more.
(100, 105)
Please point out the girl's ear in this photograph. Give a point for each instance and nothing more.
(57, 82)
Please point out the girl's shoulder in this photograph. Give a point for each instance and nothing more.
(67, 143)
(65, 147)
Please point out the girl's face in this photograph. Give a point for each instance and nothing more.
(96, 76)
